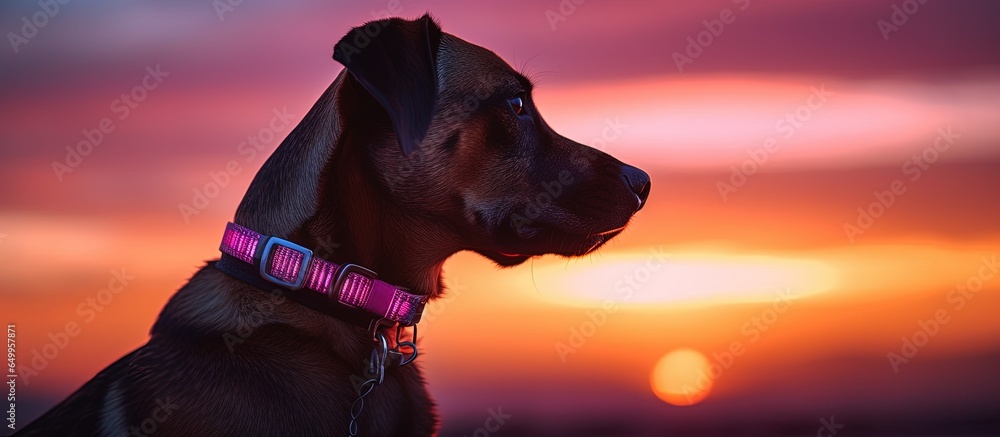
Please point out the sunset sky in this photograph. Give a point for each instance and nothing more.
(822, 189)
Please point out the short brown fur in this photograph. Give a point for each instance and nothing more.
(227, 358)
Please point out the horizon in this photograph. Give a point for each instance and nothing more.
(809, 155)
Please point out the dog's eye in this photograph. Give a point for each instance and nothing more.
(517, 104)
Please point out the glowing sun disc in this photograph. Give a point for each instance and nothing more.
(680, 377)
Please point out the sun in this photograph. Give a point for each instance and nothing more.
(681, 377)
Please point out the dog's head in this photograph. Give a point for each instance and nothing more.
(449, 135)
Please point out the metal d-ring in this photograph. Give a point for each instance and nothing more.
(412, 344)
(375, 325)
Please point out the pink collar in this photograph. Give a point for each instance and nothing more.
(290, 266)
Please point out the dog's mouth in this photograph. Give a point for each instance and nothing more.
(521, 242)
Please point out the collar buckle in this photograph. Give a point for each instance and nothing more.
(277, 269)
(341, 278)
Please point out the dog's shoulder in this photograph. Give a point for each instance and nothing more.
(81, 413)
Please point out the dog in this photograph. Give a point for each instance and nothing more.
(425, 145)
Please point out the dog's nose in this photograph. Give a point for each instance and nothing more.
(637, 181)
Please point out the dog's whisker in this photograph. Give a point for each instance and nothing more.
(533, 283)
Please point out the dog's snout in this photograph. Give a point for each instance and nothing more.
(637, 181)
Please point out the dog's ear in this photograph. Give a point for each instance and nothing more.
(395, 60)
(285, 191)
(397, 67)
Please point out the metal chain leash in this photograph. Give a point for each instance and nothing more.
(376, 369)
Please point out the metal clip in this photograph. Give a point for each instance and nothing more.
(380, 354)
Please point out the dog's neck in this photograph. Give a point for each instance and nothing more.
(400, 256)
(362, 228)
